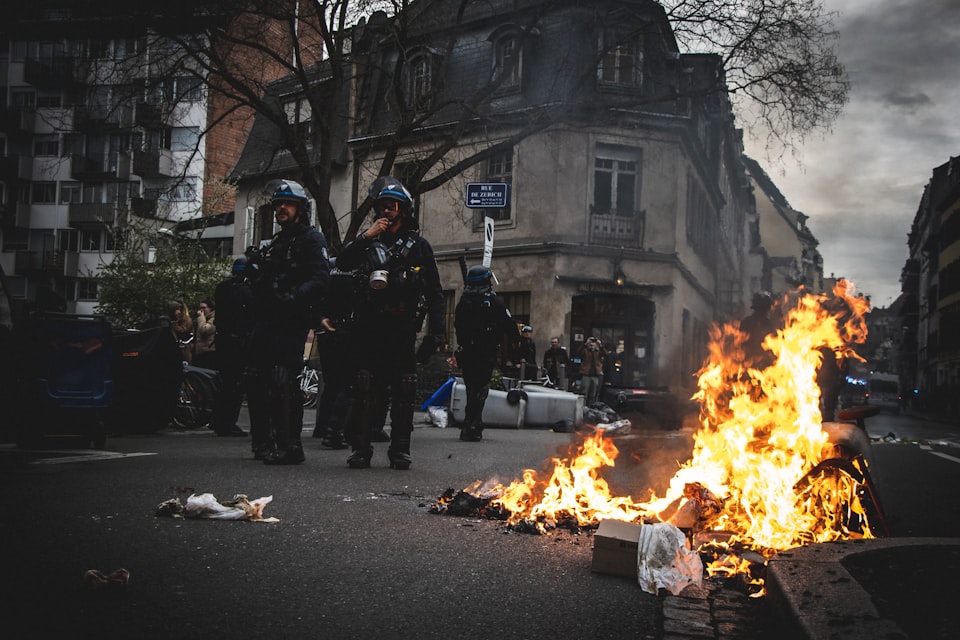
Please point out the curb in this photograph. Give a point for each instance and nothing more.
(811, 586)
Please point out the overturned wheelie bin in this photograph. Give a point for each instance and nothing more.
(67, 379)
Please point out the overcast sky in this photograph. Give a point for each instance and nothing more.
(861, 184)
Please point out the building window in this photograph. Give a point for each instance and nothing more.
(184, 138)
(421, 85)
(615, 182)
(23, 98)
(70, 192)
(46, 146)
(184, 191)
(90, 240)
(498, 168)
(86, 289)
(184, 89)
(620, 61)
(506, 63)
(299, 115)
(43, 193)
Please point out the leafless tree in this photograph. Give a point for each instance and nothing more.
(777, 63)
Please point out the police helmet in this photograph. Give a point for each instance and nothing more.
(239, 266)
(479, 276)
(527, 328)
(762, 300)
(395, 192)
(289, 191)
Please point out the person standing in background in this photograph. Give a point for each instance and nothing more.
(591, 367)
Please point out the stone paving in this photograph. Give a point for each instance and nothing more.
(720, 610)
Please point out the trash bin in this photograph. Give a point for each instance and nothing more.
(67, 378)
(149, 369)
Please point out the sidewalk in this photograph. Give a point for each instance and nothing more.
(867, 589)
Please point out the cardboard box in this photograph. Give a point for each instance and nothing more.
(615, 548)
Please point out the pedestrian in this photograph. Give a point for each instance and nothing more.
(234, 299)
(484, 329)
(554, 358)
(402, 278)
(591, 367)
(611, 367)
(205, 336)
(181, 324)
(527, 355)
(292, 279)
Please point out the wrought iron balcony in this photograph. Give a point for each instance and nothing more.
(618, 229)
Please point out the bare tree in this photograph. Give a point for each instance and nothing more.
(775, 58)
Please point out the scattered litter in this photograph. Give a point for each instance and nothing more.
(438, 416)
(205, 505)
(97, 580)
(663, 560)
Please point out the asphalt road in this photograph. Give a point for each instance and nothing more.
(355, 552)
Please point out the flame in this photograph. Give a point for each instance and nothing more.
(760, 433)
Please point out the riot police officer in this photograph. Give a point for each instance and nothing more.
(234, 301)
(484, 327)
(400, 278)
(292, 278)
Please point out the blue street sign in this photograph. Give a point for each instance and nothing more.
(484, 195)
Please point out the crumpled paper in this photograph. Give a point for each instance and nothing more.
(205, 505)
(663, 560)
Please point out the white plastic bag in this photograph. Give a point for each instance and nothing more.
(205, 505)
(663, 560)
(438, 416)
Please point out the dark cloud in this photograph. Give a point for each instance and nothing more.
(861, 183)
(909, 102)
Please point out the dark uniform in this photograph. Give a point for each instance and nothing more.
(484, 328)
(403, 281)
(234, 300)
(336, 362)
(292, 279)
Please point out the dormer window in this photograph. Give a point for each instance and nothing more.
(422, 79)
(508, 42)
(621, 58)
(506, 63)
(299, 115)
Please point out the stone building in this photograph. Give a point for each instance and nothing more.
(629, 209)
(930, 285)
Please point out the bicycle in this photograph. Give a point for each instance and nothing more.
(309, 380)
(196, 396)
(842, 483)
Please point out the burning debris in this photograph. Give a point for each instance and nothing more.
(737, 499)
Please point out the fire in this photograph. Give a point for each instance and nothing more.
(760, 433)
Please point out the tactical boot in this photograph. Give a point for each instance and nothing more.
(293, 455)
(470, 434)
(334, 440)
(399, 455)
(360, 458)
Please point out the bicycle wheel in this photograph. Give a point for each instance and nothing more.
(194, 402)
(309, 386)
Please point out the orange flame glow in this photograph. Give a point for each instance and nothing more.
(760, 432)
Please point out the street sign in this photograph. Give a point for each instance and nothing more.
(487, 195)
(487, 241)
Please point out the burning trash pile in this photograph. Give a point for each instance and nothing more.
(748, 490)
